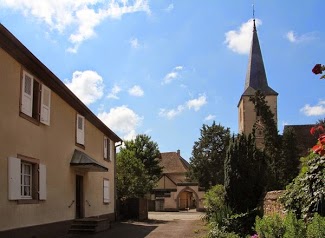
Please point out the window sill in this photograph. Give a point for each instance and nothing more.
(27, 201)
(80, 146)
(28, 118)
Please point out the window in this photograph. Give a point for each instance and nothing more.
(80, 130)
(35, 99)
(107, 148)
(27, 179)
(106, 191)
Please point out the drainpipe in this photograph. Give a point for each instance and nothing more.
(115, 180)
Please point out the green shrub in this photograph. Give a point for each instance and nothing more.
(216, 208)
(307, 190)
(241, 224)
(316, 228)
(217, 232)
(269, 227)
(294, 228)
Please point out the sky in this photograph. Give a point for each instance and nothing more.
(165, 68)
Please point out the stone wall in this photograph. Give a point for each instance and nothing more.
(271, 204)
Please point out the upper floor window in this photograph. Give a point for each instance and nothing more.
(35, 99)
(107, 148)
(80, 130)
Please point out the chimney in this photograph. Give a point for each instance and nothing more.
(178, 152)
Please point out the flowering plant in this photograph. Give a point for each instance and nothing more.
(318, 69)
(319, 148)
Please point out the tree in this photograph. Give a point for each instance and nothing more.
(208, 155)
(133, 180)
(244, 174)
(276, 151)
(305, 195)
(146, 151)
(290, 157)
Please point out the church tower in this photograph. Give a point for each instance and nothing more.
(255, 80)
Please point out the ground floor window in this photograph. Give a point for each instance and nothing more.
(26, 179)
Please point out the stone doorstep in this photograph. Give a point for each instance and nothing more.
(89, 225)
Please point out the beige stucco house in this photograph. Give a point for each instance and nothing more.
(173, 191)
(57, 159)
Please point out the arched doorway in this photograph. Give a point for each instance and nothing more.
(187, 199)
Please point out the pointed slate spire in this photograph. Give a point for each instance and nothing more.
(256, 76)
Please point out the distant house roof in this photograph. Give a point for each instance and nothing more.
(305, 140)
(10, 44)
(172, 162)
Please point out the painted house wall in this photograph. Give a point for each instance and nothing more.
(165, 183)
(53, 146)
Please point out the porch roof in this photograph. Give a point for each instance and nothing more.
(84, 162)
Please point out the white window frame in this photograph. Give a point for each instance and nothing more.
(27, 100)
(107, 148)
(106, 194)
(15, 181)
(45, 110)
(26, 184)
(80, 130)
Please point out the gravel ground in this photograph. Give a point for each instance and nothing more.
(159, 225)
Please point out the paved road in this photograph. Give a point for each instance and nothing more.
(159, 225)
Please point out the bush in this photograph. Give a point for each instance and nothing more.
(269, 227)
(216, 208)
(241, 224)
(316, 229)
(304, 196)
(294, 228)
(216, 232)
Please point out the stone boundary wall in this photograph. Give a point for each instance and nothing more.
(272, 205)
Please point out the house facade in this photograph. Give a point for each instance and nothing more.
(57, 159)
(173, 191)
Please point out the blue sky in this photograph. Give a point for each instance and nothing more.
(165, 68)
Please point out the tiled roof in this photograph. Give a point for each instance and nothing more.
(177, 178)
(172, 162)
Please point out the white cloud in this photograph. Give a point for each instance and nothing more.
(291, 36)
(122, 120)
(169, 8)
(209, 117)
(170, 114)
(86, 85)
(136, 91)
(134, 42)
(197, 103)
(294, 38)
(79, 17)
(316, 110)
(174, 74)
(239, 40)
(113, 94)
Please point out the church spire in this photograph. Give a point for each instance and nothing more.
(256, 76)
